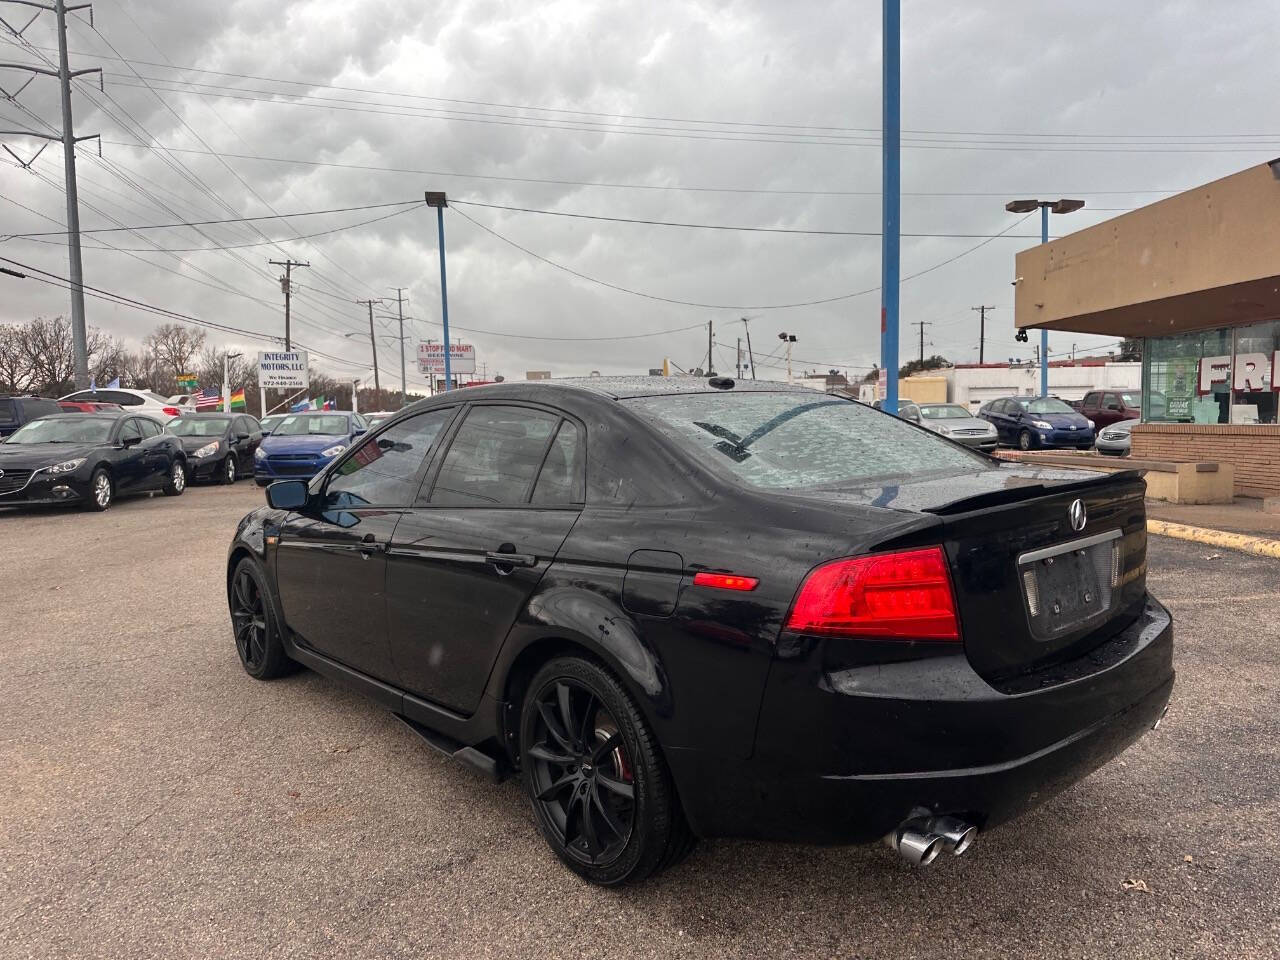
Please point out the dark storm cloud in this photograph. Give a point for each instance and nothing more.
(1005, 68)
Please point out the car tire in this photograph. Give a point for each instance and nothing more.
(1024, 440)
(229, 474)
(102, 491)
(177, 481)
(600, 790)
(254, 624)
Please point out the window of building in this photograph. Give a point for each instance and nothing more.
(1253, 389)
(1180, 377)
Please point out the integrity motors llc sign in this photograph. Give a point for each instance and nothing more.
(283, 370)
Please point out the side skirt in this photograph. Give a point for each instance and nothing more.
(443, 730)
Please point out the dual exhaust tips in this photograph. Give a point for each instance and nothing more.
(919, 840)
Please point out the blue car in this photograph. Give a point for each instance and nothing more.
(302, 444)
(1031, 423)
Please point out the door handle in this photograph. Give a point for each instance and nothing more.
(501, 559)
(369, 546)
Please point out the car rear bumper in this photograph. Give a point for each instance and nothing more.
(846, 756)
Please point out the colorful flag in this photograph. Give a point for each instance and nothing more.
(300, 406)
(237, 399)
(210, 398)
(331, 405)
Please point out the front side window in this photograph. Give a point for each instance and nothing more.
(383, 471)
(800, 440)
(494, 457)
(130, 431)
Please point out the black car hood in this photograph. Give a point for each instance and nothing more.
(943, 494)
(36, 455)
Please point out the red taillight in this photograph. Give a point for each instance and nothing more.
(172, 412)
(903, 596)
(724, 581)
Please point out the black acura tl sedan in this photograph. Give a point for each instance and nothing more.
(89, 459)
(683, 608)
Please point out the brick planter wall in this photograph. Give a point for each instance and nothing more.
(1253, 449)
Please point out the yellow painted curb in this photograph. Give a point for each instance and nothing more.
(1216, 538)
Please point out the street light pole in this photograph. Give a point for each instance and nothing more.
(891, 202)
(1045, 206)
(440, 201)
(404, 382)
(226, 380)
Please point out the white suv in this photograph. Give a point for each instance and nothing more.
(136, 401)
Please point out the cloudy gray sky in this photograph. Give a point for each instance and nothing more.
(736, 114)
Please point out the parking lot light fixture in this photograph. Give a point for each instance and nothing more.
(1045, 207)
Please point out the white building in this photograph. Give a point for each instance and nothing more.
(972, 385)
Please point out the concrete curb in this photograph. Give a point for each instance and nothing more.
(1216, 538)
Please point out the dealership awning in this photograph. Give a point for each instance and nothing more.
(1206, 258)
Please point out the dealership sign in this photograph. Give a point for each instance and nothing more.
(283, 370)
(462, 357)
(1254, 372)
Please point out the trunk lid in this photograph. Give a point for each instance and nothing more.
(1032, 586)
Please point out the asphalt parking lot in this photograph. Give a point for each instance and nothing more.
(157, 802)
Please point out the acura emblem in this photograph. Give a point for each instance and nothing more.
(1, 473)
(1077, 515)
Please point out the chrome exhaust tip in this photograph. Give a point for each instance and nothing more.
(957, 835)
(915, 844)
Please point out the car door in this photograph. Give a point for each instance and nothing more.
(243, 438)
(129, 470)
(996, 414)
(1110, 411)
(487, 525)
(331, 565)
(157, 453)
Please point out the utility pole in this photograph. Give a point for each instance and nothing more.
(373, 342)
(751, 358)
(404, 383)
(922, 324)
(286, 284)
(982, 329)
(65, 74)
(738, 359)
(891, 195)
(710, 361)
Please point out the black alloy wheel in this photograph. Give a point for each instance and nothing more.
(229, 474)
(253, 621)
(599, 788)
(1024, 440)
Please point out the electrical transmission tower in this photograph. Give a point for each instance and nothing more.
(68, 139)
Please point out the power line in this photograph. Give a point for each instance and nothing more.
(206, 223)
(748, 229)
(720, 306)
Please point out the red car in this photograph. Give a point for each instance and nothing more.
(87, 406)
(1105, 407)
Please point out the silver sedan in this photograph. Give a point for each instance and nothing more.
(1115, 439)
(954, 421)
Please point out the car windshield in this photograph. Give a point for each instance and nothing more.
(79, 430)
(192, 427)
(800, 440)
(306, 424)
(1133, 400)
(1045, 405)
(943, 411)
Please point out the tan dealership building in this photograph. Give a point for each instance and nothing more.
(1197, 277)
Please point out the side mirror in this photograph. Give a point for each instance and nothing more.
(288, 494)
(357, 431)
(127, 442)
(1116, 407)
(242, 436)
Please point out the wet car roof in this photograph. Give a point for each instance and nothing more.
(620, 388)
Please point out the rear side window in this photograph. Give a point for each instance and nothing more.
(494, 457)
(384, 470)
(800, 440)
(150, 428)
(562, 479)
(7, 412)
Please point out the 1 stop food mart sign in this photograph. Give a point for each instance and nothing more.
(462, 357)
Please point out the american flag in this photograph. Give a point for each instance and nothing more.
(210, 398)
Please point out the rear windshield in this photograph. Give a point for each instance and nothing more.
(800, 440)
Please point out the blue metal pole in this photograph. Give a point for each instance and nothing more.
(444, 300)
(1044, 332)
(891, 202)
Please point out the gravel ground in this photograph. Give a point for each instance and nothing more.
(156, 802)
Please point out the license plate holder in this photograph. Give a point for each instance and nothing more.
(1066, 586)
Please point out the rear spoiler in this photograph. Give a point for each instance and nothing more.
(1032, 488)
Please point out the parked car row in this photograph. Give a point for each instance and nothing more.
(89, 452)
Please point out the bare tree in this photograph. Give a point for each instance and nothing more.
(173, 347)
(47, 348)
(15, 370)
(108, 358)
